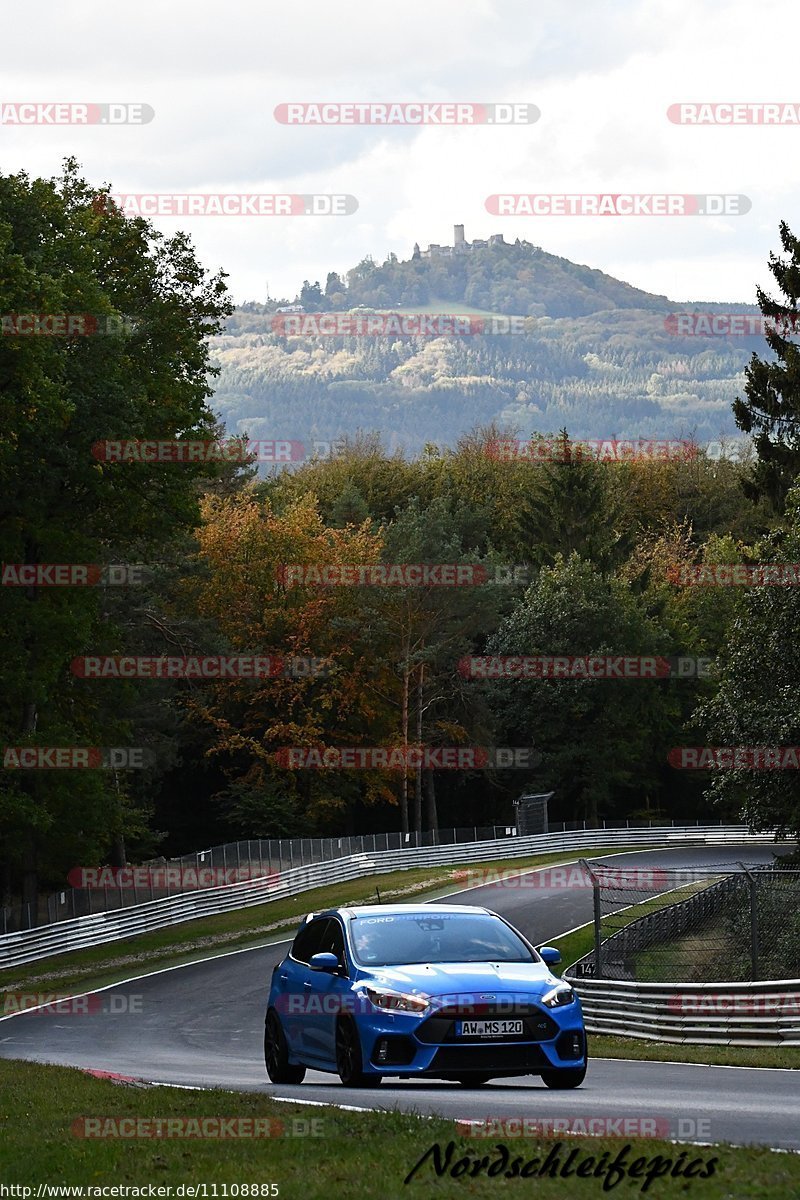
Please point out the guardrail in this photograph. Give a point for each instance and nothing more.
(252, 857)
(245, 859)
(716, 1014)
(82, 932)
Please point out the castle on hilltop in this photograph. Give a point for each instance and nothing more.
(460, 245)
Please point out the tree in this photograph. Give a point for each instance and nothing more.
(570, 507)
(141, 370)
(416, 635)
(772, 408)
(333, 284)
(311, 296)
(599, 738)
(255, 609)
(757, 701)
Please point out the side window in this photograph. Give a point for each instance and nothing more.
(333, 940)
(309, 939)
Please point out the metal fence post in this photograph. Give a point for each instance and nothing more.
(754, 947)
(598, 960)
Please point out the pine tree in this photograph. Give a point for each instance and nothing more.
(772, 408)
(571, 508)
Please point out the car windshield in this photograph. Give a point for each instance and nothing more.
(432, 938)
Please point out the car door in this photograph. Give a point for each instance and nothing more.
(297, 982)
(328, 996)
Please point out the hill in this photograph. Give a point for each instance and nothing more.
(593, 353)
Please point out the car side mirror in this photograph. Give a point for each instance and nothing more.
(548, 953)
(324, 962)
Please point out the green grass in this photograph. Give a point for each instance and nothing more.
(601, 1046)
(690, 957)
(202, 937)
(354, 1154)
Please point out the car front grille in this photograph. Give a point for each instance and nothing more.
(440, 1027)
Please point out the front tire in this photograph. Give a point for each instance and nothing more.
(276, 1053)
(349, 1061)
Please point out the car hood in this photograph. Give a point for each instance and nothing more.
(436, 979)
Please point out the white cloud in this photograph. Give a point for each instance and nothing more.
(602, 72)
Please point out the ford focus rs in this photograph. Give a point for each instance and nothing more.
(428, 991)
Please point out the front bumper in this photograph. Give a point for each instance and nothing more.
(400, 1044)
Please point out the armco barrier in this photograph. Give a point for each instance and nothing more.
(717, 1014)
(112, 926)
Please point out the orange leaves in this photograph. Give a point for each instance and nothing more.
(245, 590)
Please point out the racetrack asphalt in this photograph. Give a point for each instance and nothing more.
(202, 1025)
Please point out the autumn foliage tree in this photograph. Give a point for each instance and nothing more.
(260, 607)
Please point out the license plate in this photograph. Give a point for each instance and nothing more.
(489, 1028)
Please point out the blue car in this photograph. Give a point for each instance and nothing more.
(420, 991)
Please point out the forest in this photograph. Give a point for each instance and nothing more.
(189, 558)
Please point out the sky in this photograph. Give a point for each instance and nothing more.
(602, 73)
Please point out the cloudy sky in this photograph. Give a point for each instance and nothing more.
(602, 72)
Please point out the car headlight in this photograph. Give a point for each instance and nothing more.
(397, 1001)
(558, 996)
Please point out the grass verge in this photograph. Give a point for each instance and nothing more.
(354, 1154)
(601, 1046)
